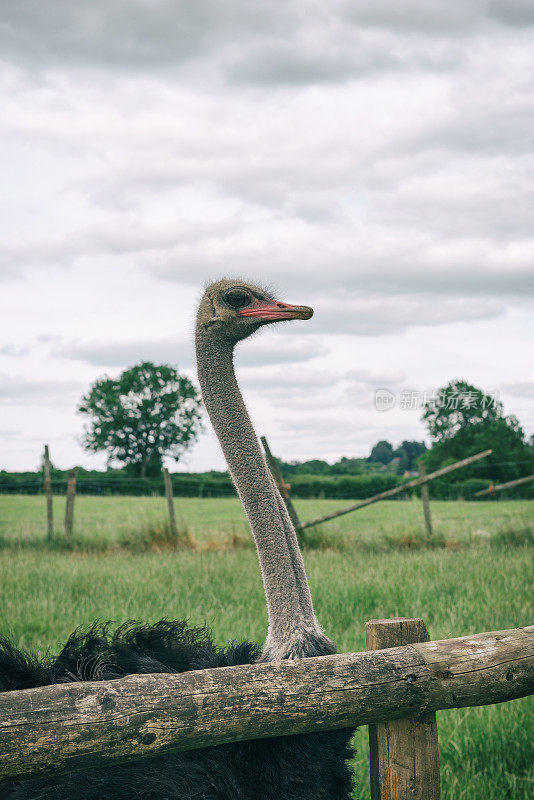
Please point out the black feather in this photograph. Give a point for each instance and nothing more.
(310, 766)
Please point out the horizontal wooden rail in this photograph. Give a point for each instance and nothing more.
(73, 726)
(500, 486)
(396, 490)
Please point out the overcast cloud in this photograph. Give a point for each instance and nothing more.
(372, 159)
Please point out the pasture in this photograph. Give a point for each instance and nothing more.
(475, 576)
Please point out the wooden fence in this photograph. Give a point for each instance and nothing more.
(68, 727)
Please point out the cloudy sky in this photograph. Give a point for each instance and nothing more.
(371, 159)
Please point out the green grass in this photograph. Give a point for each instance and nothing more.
(108, 522)
(481, 581)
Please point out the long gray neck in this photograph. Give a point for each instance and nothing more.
(293, 629)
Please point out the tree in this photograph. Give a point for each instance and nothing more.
(381, 452)
(461, 431)
(148, 412)
(456, 405)
(409, 453)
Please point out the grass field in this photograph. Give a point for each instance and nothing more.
(103, 523)
(367, 565)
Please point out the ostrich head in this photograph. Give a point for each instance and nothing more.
(233, 309)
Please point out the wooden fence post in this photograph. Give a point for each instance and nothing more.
(170, 501)
(426, 503)
(404, 752)
(398, 489)
(283, 488)
(47, 486)
(69, 505)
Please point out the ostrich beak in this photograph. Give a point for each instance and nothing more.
(274, 310)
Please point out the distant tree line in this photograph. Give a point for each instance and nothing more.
(383, 457)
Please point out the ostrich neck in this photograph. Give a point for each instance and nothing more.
(293, 629)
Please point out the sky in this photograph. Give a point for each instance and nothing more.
(373, 160)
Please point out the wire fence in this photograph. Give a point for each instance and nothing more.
(309, 486)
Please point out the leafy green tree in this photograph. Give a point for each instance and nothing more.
(456, 405)
(148, 412)
(381, 452)
(408, 454)
(462, 428)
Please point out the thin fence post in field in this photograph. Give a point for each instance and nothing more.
(397, 489)
(426, 503)
(283, 488)
(404, 752)
(170, 501)
(69, 505)
(47, 486)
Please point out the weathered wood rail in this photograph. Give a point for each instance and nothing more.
(73, 726)
(501, 486)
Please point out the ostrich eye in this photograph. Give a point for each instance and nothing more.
(237, 298)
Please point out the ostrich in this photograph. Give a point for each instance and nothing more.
(299, 767)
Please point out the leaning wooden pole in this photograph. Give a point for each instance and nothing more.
(73, 726)
(69, 505)
(404, 752)
(282, 487)
(500, 486)
(170, 502)
(47, 486)
(398, 489)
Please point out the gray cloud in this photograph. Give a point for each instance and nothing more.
(298, 380)
(290, 383)
(519, 388)
(280, 63)
(277, 350)
(457, 268)
(438, 17)
(138, 35)
(112, 238)
(7, 434)
(373, 378)
(21, 391)
(133, 34)
(333, 432)
(181, 352)
(386, 315)
(512, 12)
(14, 350)
(122, 354)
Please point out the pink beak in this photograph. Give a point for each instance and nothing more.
(276, 310)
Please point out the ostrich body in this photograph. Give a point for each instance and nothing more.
(300, 767)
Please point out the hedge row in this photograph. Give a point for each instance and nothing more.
(353, 487)
(117, 483)
(219, 484)
(195, 485)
